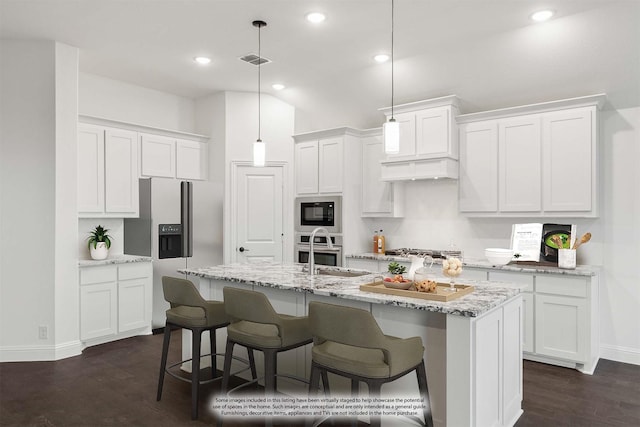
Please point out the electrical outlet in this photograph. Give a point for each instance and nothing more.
(42, 332)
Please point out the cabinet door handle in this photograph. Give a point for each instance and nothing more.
(242, 249)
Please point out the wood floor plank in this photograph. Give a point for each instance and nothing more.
(114, 385)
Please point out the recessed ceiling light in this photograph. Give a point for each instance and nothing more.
(315, 17)
(277, 86)
(542, 15)
(381, 57)
(202, 60)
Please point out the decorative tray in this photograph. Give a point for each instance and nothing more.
(442, 292)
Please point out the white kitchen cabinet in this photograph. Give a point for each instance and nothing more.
(319, 167)
(519, 166)
(478, 185)
(379, 198)
(428, 141)
(569, 149)
(546, 160)
(192, 160)
(157, 156)
(306, 165)
(107, 172)
(115, 301)
(330, 158)
(560, 313)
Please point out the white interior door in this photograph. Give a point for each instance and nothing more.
(257, 214)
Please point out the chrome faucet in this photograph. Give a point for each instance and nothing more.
(312, 267)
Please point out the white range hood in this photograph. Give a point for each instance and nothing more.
(428, 141)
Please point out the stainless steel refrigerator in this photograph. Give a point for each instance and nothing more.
(164, 231)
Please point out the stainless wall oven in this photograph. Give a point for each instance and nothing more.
(323, 255)
(312, 212)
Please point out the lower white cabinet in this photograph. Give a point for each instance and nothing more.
(115, 301)
(561, 320)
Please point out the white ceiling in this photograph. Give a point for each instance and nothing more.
(485, 51)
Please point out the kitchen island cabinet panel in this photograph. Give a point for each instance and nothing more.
(460, 337)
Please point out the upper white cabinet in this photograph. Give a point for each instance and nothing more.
(167, 157)
(319, 159)
(428, 141)
(535, 160)
(157, 156)
(107, 172)
(379, 198)
(192, 160)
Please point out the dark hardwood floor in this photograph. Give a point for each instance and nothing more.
(115, 385)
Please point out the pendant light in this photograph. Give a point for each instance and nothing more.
(259, 149)
(391, 128)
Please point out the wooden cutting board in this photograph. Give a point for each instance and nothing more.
(442, 292)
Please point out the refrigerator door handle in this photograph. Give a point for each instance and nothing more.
(186, 217)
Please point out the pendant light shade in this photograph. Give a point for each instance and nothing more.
(391, 136)
(259, 148)
(391, 128)
(259, 153)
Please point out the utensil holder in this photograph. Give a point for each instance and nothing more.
(567, 258)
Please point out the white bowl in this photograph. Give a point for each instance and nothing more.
(498, 256)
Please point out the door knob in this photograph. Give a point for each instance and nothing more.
(242, 249)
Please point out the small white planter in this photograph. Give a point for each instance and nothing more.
(100, 251)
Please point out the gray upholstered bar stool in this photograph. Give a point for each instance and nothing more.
(349, 342)
(256, 326)
(190, 311)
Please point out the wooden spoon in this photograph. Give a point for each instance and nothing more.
(584, 239)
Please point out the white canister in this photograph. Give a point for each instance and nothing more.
(566, 258)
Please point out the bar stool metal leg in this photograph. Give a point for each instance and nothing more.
(424, 394)
(195, 370)
(163, 361)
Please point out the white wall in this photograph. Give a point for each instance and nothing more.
(432, 221)
(116, 100)
(38, 273)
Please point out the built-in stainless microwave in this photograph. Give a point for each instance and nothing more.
(313, 212)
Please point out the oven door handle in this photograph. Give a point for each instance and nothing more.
(318, 248)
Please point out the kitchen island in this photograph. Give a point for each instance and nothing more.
(472, 344)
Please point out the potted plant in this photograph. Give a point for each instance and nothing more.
(99, 243)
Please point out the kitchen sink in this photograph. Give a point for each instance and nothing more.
(342, 273)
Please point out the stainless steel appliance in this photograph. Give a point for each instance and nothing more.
(312, 212)
(323, 255)
(158, 234)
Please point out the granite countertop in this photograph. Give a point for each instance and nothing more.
(580, 270)
(115, 259)
(485, 296)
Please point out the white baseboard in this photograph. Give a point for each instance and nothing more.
(40, 353)
(620, 354)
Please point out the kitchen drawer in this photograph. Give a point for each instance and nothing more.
(562, 285)
(101, 274)
(134, 270)
(519, 278)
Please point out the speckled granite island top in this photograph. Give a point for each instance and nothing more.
(486, 295)
(580, 270)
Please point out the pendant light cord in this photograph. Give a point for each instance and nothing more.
(259, 63)
(392, 19)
